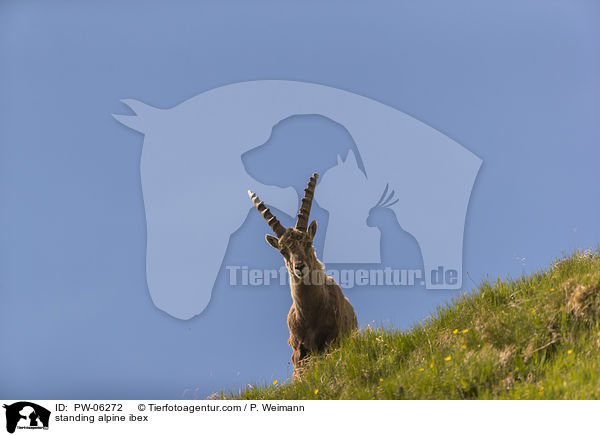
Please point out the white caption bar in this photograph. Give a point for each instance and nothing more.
(297, 417)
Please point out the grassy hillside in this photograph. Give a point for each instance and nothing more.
(532, 338)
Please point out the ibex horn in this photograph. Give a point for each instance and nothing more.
(304, 212)
(267, 215)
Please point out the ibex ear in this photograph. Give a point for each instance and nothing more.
(312, 229)
(273, 241)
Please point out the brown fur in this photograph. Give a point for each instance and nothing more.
(320, 314)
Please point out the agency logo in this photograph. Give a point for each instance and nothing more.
(195, 184)
(26, 415)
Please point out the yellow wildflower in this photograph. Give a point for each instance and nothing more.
(464, 347)
(316, 391)
(455, 331)
(275, 383)
(447, 358)
(380, 379)
(465, 331)
(431, 366)
(570, 352)
(421, 369)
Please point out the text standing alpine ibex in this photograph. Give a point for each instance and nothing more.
(320, 314)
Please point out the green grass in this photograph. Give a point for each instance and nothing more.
(532, 338)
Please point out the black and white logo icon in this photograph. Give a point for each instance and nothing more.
(26, 415)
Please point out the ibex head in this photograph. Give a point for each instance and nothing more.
(295, 243)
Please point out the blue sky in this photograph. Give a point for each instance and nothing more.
(517, 83)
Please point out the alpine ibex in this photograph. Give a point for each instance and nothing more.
(320, 314)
